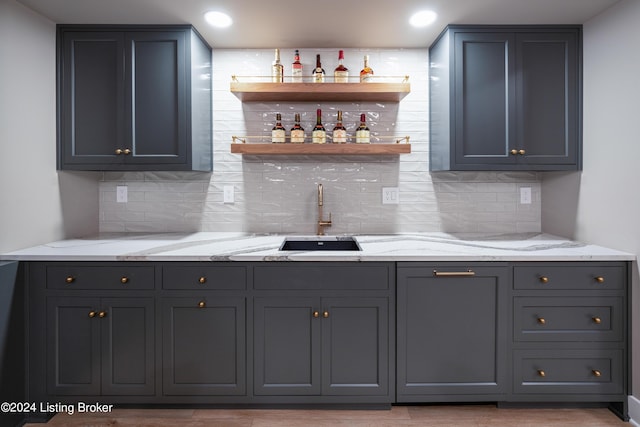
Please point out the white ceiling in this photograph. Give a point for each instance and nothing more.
(319, 23)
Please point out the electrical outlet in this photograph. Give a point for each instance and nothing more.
(121, 194)
(525, 195)
(228, 194)
(390, 196)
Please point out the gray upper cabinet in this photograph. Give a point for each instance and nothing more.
(506, 98)
(133, 98)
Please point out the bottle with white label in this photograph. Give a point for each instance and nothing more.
(319, 134)
(366, 74)
(341, 73)
(277, 69)
(318, 72)
(297, 131)
(339, 135)
(363, 136)
(296, 68)
(278, 133)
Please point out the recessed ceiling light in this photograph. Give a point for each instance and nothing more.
(423, 18)
(218, 19)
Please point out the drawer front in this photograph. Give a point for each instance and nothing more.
(568, 371)
(111, 277)
(568, 319)
(585, 276)
(322, 275)
(204, 277)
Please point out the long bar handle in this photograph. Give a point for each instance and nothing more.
(468, 273)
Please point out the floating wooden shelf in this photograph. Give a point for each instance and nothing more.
(320, 92)
(327, 149)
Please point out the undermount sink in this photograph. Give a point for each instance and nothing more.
(321, 243)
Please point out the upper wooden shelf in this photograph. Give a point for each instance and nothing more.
(385, 91)
(326, 149)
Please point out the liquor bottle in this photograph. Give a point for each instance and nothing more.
(339, 131)
(278, 131)
(366, 73)
(363, 136)
(277, 69)
(297, 131)
(319, 135)
(296, 67)
(318, 72)
(341, 73)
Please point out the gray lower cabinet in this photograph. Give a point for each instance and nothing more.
(133, 98)
(452, 332)
(204, 350)
(100, 346)
(321, 346)
(506, 98)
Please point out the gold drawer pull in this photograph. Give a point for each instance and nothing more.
(596, 373)
(521, 152)
(102, 314)
(544, 279)
(70, 279)
(325, 314)
(124, 280)
(202, 280)
(599, 279)
(597, 320)
(202, 304)
(513, 152)
(468, 273)
(541, 373)
(92, 314)
(316, 314)
(542, 321)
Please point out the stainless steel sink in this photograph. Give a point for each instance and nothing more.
(320, 243)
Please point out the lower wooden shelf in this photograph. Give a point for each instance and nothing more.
(313, 149)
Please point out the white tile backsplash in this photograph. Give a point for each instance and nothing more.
(275, 194)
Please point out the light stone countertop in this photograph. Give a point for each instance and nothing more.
(214, 246)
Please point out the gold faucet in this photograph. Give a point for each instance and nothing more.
(321, 222)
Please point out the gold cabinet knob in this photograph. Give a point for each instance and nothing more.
(596, 373)
(521, 152)
(543, 279)
(316, 314)
(202, 280)
(596, 320)
(124, 280)
(513, 152)
(118, 151)
(92, 314)
(128, 151)
(202, 304)
(102, 314)
(70, 279)
(541, 321)
(325, 314)
(541, 373)
(599, 279)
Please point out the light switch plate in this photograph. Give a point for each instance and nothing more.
(121, 194)
(390, 196)
(228, 196)
(525, 195)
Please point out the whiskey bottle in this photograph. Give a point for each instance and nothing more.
(366, 73)
(277, 69)
(319, 134)
(297, 131)
(296, 67)
(278, 131)
(341, 73)
(318, 72)
(339, 135)
(363, 136)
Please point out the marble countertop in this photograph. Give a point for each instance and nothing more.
(214, 246)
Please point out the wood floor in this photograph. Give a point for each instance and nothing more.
(398, 416)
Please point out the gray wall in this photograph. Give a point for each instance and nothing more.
(37, 204)
(601, 205)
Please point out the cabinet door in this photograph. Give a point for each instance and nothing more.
(73, 346)
(91, 97)
(355, 346)
(128, 346)
(287, 346)
(156, 97)
(483, 96)
(547, 96)
(451, 333)
(204, 346)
